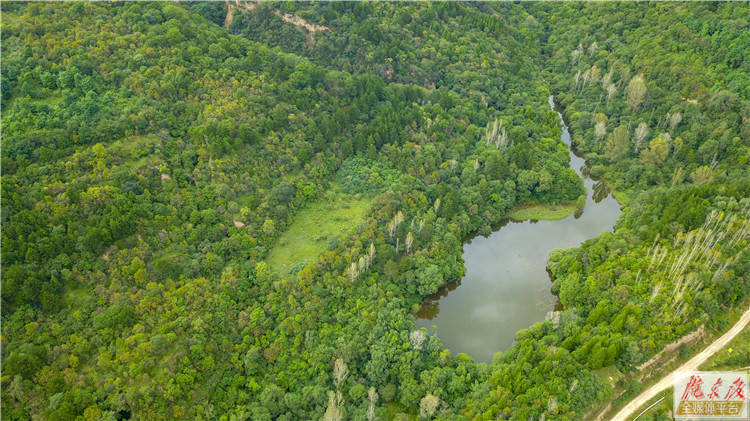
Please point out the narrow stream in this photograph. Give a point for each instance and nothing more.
(506, 287)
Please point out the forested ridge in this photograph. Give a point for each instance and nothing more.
(153, 154)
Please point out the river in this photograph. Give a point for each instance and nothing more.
(506, 287)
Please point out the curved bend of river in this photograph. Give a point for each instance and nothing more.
(506, 287)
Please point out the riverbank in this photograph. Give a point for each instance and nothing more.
(506, 287)
(542, 212)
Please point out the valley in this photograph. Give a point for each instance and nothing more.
(239, 210)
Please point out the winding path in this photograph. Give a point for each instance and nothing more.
(627, 411)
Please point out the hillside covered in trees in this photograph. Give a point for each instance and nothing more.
(232, 210)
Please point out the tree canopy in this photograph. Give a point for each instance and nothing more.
(153, 154)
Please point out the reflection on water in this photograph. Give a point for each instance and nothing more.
(431, 305)
(506, 286)
(601, 191)
(584, 171)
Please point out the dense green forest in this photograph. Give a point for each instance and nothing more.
(160, 159)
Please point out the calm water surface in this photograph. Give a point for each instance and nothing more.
(506, 287)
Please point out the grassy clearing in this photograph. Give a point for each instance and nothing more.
(76, 296)
(622, 197)
(610, 375)
(736, 360)
(539, 211)
(49, 100)
(325, 220)
(663, 408)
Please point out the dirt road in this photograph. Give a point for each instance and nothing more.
(627, 412)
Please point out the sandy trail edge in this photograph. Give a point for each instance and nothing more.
(692, 365)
